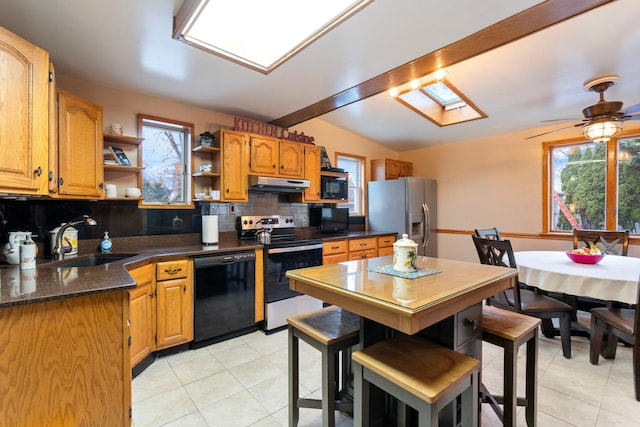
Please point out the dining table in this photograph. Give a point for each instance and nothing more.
(614, 278)
(441, 301)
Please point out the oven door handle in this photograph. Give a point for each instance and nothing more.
(293, 249)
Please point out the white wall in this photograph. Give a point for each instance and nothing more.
(490, 182)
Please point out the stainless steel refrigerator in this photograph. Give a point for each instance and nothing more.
(405, 205)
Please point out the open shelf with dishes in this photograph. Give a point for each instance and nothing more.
(206, 173)
(122, 164)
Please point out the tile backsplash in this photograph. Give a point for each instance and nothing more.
(125, 219)
(259, 204)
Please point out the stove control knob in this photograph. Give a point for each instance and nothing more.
(250, 221)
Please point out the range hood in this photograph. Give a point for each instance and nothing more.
(277, 185)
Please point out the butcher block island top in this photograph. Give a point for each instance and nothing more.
(407, 305)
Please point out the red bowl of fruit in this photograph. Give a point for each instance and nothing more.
(584, 258)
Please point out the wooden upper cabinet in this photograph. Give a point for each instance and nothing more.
(382, 169)
(312, 156)
(24, 85)
(80, 159)
(292, 159)
(264, 155)
(270, 156)
(235, 185)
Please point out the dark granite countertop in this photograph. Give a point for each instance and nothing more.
(52, 280)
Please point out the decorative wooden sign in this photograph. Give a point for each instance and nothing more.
(262, 128)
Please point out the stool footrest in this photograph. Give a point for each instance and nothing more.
(339, 405)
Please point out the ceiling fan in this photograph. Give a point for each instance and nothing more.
(602, 120)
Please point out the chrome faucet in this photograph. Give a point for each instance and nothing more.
(59, 250)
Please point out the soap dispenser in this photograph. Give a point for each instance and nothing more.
(106, 244)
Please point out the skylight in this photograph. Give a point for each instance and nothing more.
(441, 93)
(256, 33)
(438, 101)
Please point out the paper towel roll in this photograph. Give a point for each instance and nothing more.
(210, 229)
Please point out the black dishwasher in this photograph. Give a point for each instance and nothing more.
(224, 304)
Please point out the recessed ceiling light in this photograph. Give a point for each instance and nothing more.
(256, 33)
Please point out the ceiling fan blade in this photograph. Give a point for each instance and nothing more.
(555, 130)
(632, 110)
(634, 117)
(560, 120)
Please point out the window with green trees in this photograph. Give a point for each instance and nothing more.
(593, 185)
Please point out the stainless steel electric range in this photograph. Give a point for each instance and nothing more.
(286, 251)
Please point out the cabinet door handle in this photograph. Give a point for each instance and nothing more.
(38, 171)
(473, 323)
(184, 289)
(173, 270)
(60, 181)
(101, 185)
(151, 294)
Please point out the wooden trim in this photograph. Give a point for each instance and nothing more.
(633, 240)
(611, 186)
(515, 27)
(364, 179)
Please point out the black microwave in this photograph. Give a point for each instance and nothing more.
(334, 187)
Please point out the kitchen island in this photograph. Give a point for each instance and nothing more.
(444, 305)
(406, 305)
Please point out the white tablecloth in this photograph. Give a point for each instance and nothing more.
(614, 278)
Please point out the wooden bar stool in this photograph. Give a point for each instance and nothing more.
(330, 330)
(418, 373)
(510, 330)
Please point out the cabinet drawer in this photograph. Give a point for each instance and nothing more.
(468, 324)
(387, 250)
(172, 269)
(334, 259)
(385, 241)
(337, 247)
(142, 274)
(362, 244)
(367, 253)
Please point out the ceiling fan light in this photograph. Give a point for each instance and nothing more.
(602, 131)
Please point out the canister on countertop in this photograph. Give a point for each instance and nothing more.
(405, 254)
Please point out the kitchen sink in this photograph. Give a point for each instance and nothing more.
(93, 260)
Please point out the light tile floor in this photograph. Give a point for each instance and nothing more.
(243, 382)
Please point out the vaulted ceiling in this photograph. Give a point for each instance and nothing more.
(511, 59)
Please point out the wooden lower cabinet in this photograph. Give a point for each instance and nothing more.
(335, 251)
(161, 307)
(174, 303)
(385, 245)
(142, 308)
(363, 248)
(66, 362)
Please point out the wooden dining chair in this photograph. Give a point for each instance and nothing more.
(520, 299)
(609, 242)
(488, 233)
(618, 323)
